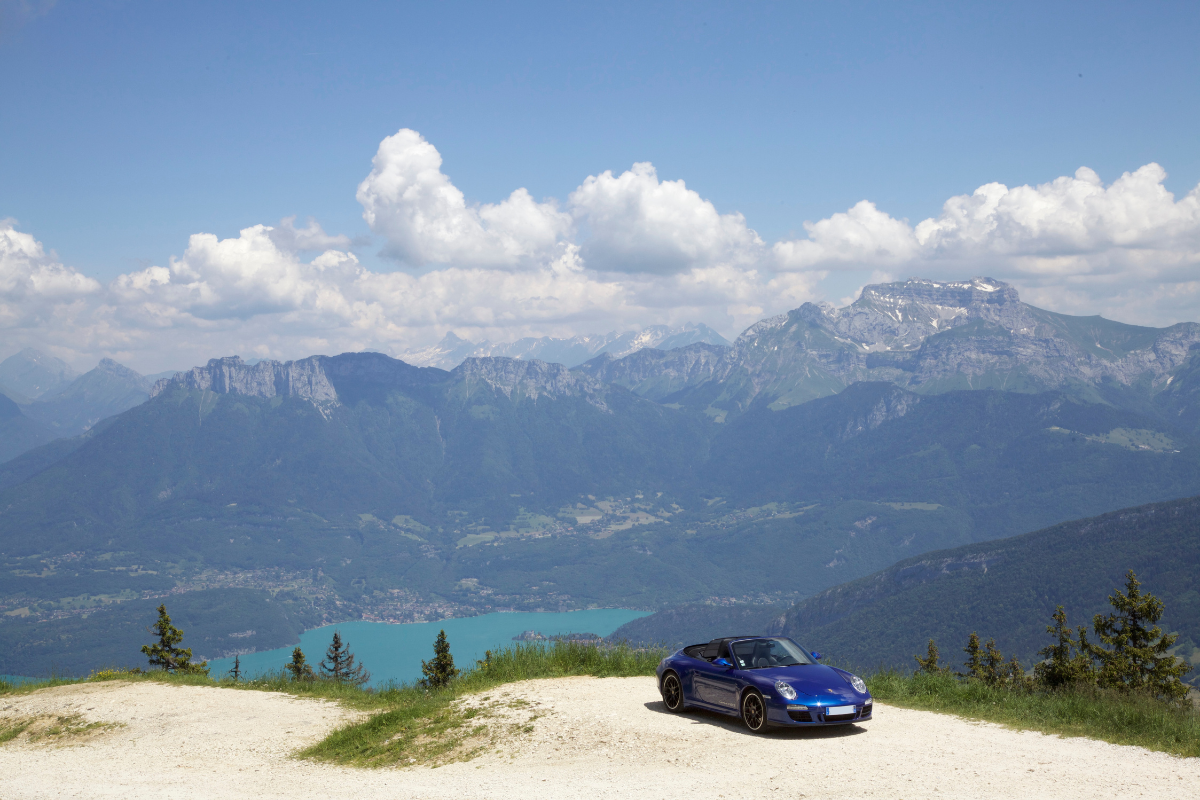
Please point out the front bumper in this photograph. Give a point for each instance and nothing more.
(797, 714)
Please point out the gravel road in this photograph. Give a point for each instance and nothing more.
(607, 738)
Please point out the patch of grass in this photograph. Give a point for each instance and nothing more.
(1111, 717)
(426, 727)
(12, 728)
(51, 728)
(25, 687)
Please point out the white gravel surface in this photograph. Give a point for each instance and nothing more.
(593, 738)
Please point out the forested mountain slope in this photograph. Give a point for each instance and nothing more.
(1008, 589)
(358, 485)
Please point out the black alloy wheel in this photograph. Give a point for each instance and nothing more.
(672, 692)
(754, 713)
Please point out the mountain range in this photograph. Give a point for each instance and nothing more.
(927, 336)
(452, 351)
(765, 472)
(42, 398)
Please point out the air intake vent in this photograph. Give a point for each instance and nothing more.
(799, 715)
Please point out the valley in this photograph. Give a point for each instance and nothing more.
(747, 476)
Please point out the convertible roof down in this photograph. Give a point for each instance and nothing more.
(713, 648)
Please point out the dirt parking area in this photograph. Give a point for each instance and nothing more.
(588, 738)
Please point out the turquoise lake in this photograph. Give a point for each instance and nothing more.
(395, 652)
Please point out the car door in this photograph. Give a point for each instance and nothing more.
(716, 685)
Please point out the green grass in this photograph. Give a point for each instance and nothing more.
(12, 728)
(1111, 717)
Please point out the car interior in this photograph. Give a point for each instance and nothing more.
(717, 648)
(755, 652)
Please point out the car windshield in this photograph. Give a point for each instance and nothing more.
(764, 653)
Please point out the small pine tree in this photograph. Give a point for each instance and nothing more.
(929, 665)
(339, 664)
(1066, 662)
(166, 655)
(1136, 655)
(236, 671)
(974, 662)
(440, 670)
(1014, 674)
(299, 667)
(995, 672)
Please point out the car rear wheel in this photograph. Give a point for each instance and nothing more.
(754, 712)
(672, 692)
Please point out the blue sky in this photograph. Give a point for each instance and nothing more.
(130, 126)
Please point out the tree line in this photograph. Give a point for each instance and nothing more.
(339, 665)
(1130, 653)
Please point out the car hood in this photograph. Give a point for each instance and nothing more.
(815, 680)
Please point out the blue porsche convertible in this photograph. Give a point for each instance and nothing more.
(765, 680)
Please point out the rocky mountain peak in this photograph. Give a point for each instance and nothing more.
(123, 373)
(901, 315)
(32, 373)
(530, 379)
(916, 293)
(266, 379)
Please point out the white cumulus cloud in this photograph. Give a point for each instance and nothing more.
(862, 237)
(426, 219)
(624, 251)
(1129, 250)
(638, 223)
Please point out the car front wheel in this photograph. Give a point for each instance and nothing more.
(754, 712)
(672, 692)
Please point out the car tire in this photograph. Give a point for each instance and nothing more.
(754, 711)
(672, 693)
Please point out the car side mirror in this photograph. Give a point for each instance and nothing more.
(816, 655)
(720, 662)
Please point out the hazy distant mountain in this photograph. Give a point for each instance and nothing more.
(31, 374)
(452, 350)
(928, 336)
(18, 433)
(108, 389)
(155, 377)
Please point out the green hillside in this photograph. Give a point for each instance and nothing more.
(1009, 588)
(1011, 461)
(421, 493)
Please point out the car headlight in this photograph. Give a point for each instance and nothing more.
(785, 690)
(858, 684)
